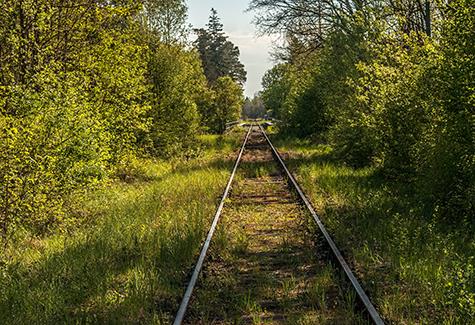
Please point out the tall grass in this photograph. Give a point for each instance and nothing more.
(128, 256)
(416, 268)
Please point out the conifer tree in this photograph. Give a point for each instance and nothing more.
(220, 56)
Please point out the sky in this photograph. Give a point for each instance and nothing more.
(241, 31)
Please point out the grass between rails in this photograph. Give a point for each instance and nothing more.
(415, 269)
(265, 264)
(129, 259)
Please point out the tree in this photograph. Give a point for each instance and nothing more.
(448, 149)
(71, 102)
(178, 83)
(254, 108)
(227, 103)
(412, 15)
(86, 87)
(275, 86)
(309, 22)
(220, 56)
(165, 18)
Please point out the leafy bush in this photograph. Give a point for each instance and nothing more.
(387, 104)
(389, 97)
(87, 88)
(177, 84)
(227, 103)
(54, 146)
(447, 151)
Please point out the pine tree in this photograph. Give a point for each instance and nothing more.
(220, 56)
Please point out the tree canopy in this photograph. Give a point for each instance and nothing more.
(87, 87)
(220, 56)
(377, 80)
(254, 108)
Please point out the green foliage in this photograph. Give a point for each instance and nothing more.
(116, 86)
(70, 105)
(127, 255)
(220, 56)
(166, 19)
(85, 89)
(67, 126)
(395, 99)
(276, 85)
(449, 142)
(49, 151)
(226, 104)
(178, 83)
(253, 108)
(385, 107)
(392, 90)
(283, 87)
(415, 269)
(225, 74)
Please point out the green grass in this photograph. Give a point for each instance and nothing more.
(417, 270)
(263, 265)
(126, 250)
(126, 255)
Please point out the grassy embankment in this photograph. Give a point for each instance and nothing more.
(127, 258)
(416, 269)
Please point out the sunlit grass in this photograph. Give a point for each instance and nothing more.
(127, 257)
(263, 266)
(415, 269)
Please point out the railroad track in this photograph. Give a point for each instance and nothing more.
(272, 269)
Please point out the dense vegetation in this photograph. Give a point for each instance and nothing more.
(128, 258)
(219, 55)
(415, 269)
(88, 87)
(390, 87)
(385, 87)
(223, 71)
(254, 108)
(108, 179)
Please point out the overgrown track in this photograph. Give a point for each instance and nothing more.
(263, 265)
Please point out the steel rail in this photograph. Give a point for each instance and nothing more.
(356, 285)
(199, 265)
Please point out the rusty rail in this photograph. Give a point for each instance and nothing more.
(356, 285)
(363, 297)
(199, 265)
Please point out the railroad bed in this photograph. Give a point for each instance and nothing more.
(266, 262)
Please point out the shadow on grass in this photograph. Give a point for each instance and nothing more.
(265, 296)
(390, 233)
(112, 273)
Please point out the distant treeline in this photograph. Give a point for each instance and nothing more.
(386, 83)
(254, 108)
(88, 86)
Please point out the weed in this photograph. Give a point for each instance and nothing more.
(128, 255)
(267, 255)
(415, 269)
(288, 286)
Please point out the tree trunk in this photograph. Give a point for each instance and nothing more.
(428, 21)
